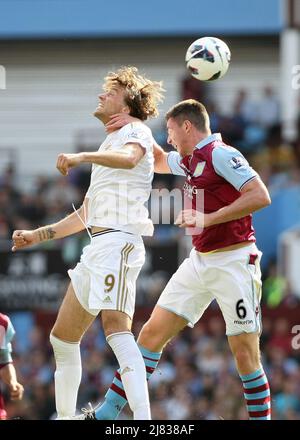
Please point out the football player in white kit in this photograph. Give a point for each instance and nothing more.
(113, 210)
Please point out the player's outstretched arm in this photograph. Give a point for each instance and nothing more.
(254, 196)
(68, 226)
(125, 158)
(160, 156)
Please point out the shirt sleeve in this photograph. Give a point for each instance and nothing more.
(173, 160)
(5, 356)
(5, 348)
(139, 134)
(230, 164)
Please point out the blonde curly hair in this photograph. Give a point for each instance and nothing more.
(142, 95)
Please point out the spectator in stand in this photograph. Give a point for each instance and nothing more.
(287, 403)
(274, 286)
(191, 88)
(282, 336)
(268, 109)
(276, 158)
(245, 107)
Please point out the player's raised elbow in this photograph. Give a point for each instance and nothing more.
(257, 193)
(133, 153)
(131, 161)
(268, 200)
(263, 198)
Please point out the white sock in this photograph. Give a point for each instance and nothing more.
(67, 376)
(133, 373)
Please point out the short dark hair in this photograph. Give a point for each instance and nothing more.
(190, 110)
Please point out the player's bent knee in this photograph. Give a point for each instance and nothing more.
(63, 334)
(115, 322)
(55, 332)
(65, 352)
(152, 338)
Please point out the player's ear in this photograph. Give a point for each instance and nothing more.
(187, 125)
(126, 109)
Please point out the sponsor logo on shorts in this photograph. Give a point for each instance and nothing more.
(107, 299)
(248, 321)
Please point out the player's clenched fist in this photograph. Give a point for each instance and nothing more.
(189, 218)
(16, 391)
(67, 161)
(23, 238)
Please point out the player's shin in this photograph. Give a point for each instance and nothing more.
(133, 373)
(257, 395)
(115, 398)
(67, 375)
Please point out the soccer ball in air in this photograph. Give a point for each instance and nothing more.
(208, 58)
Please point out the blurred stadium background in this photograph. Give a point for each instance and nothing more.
(55, 54)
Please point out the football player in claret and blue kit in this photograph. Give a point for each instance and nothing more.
(224, 263)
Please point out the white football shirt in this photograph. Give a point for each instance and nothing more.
(117, 197)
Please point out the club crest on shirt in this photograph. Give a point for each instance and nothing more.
(199, 169)
(237, 162)
(133, 134)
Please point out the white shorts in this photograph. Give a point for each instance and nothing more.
(233, 278)
(105, 277)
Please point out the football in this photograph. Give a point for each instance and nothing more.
(208, 58)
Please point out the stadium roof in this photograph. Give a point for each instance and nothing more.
(136, 18)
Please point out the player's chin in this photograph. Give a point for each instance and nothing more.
(98, 111)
